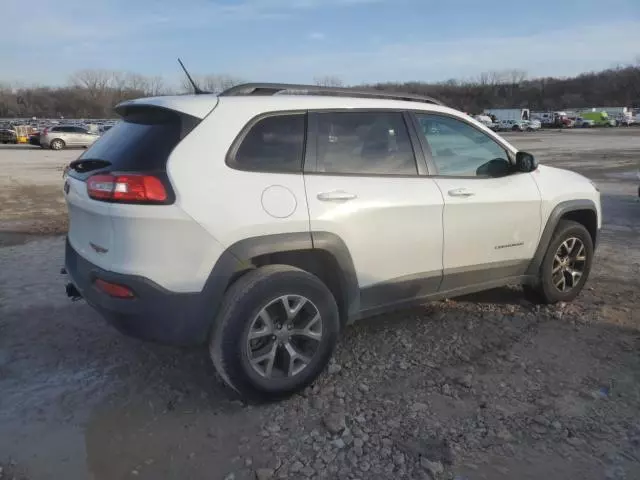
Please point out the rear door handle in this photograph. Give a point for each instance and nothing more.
(336, 195)
(461, 192)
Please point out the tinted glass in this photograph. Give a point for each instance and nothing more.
(458, 149)
(366, 143)
(79, 130)
(273, 144)
(142, 141)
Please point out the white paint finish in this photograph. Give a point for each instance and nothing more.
(392, 226)
(163, 244)
(495, 212)
(558, 185)
(158, 242)
(228, 202)
(279, 201)
(89, 222)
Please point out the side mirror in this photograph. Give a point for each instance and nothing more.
(525, 162)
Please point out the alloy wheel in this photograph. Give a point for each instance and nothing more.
(569, 264)
(284, 337)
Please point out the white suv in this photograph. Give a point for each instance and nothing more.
(263, 223)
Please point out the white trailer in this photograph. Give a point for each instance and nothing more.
(501, 114)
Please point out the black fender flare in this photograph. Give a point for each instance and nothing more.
(236, 259)
(552, 222)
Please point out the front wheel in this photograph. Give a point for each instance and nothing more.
(566, 264)
(275, 333)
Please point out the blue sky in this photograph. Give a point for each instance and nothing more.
(45, 41)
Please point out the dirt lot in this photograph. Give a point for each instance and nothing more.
(482, 387)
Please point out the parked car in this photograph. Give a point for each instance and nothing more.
(8, 135)
(34, 139)
(532, 125)
(261, 225)
(624, 121)
(62, 136)
(513, 125)
(584, 123)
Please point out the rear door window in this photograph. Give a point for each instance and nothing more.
(364, 143)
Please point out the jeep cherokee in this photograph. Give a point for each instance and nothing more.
(261, 223)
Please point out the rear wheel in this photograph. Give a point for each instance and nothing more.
(57, 144)
(275, 333)
(566, 265)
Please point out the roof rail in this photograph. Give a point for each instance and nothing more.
(274, 88)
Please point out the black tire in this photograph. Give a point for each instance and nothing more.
(515, 128)
(241, 305)
(57, 144)
(546, 291)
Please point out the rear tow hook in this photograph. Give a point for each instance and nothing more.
(70, 288)
(72, 292)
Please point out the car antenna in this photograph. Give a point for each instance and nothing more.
(196, 89)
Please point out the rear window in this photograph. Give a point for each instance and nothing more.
(142, 141)
(272, 144)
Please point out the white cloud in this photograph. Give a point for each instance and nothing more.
(317, 36)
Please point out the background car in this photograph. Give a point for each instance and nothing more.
(532, 125)
(584, 123)
(8, 135)
(62, 136)
(34, 139)
(512, 125)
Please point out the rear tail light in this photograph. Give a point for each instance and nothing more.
(114, 289)
(127, 188)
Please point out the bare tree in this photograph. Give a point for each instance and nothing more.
(328, 81)
(94, 81)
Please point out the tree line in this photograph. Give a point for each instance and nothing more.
(94, 93)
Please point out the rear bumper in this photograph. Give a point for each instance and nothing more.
(155, 314)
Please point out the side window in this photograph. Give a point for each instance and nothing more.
(274, 144)
(366, 143)
(458, 149)
(78, 130)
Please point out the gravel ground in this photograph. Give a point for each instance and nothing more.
(31, 192)
(486, 386)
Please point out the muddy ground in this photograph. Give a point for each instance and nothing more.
(487, 386)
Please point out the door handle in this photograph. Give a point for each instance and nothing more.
(336, 195)
(461, 192)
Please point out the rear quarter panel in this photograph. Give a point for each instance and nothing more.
(228, 203)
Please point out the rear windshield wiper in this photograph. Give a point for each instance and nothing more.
(83, 166)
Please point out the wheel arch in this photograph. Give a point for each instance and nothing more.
(321, 253)
(582, 211)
